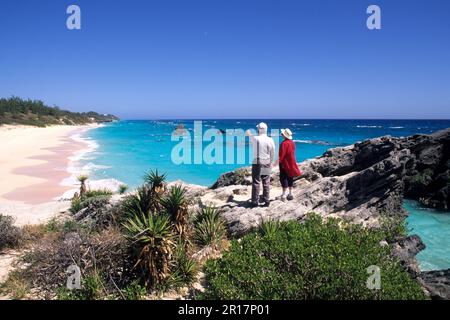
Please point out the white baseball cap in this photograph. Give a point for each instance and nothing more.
(262, 126)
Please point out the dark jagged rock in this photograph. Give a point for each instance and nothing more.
(241, 176)
(437, 283)
(406, 250)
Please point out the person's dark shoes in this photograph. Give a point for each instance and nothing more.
(290, 197)
(266, 204)
(253, 205)
(281, 198)
(261, 199)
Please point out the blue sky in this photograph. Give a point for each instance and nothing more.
(230, 58)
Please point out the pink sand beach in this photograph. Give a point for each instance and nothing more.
(33, 163)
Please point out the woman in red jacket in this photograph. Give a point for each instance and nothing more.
(288, 165)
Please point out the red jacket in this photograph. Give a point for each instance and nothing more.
(286, 158)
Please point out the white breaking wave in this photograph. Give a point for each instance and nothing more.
(300, 124)
(318, 142)
(396, 127)
(364, 126)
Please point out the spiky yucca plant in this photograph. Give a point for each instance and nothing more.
(82, 179)
(183, 269)
(209, 227)
(144, 201)
(152, 233)
(175, 204)
(156, 181)
(269, 228)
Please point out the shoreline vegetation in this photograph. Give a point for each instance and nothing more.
(150, 244)
(17, 111)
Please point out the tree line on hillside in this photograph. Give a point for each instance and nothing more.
(15, 110)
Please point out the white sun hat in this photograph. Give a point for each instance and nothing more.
(287, 133)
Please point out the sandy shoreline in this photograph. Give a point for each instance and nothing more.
(33, 163)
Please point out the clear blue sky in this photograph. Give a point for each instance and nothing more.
(230, 58)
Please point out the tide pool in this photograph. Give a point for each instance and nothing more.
(433, 227)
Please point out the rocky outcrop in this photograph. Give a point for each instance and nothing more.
(406, 250)
(436, 283)
(357, 182)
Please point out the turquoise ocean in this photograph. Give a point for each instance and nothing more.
(124, 151)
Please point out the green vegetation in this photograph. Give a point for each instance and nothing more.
(184, 269)
(314, 260)
(15, 286)
(123, 188)
(393, 227)
(151, 242)
(209, 227)
(153, 238)
(89, 198)
(155, 180)
(35, 113)
(175, 205)
(10, 235)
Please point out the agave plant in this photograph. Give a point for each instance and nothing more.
(209, 227)
(155, 242)
(175, 204)
(156, 181)
(82, 179)
(184, 269)
(123, 188)
(144, 201)
(269, 228)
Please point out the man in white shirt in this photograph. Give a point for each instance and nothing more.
(263, 155)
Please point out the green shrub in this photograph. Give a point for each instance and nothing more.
(175, 205)
(314, 260)
(123, 188)
(209, 227)
(144, 201)
(92, 288)
(97, 193)
(75, 205)
(392, 227)
(134, 291)
(152, 237)
(269, 228)
(10, 235)
(183, 268)
(155, 180)
(93, 198)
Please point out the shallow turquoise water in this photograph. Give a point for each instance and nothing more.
(433, 227)
(127, 149)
